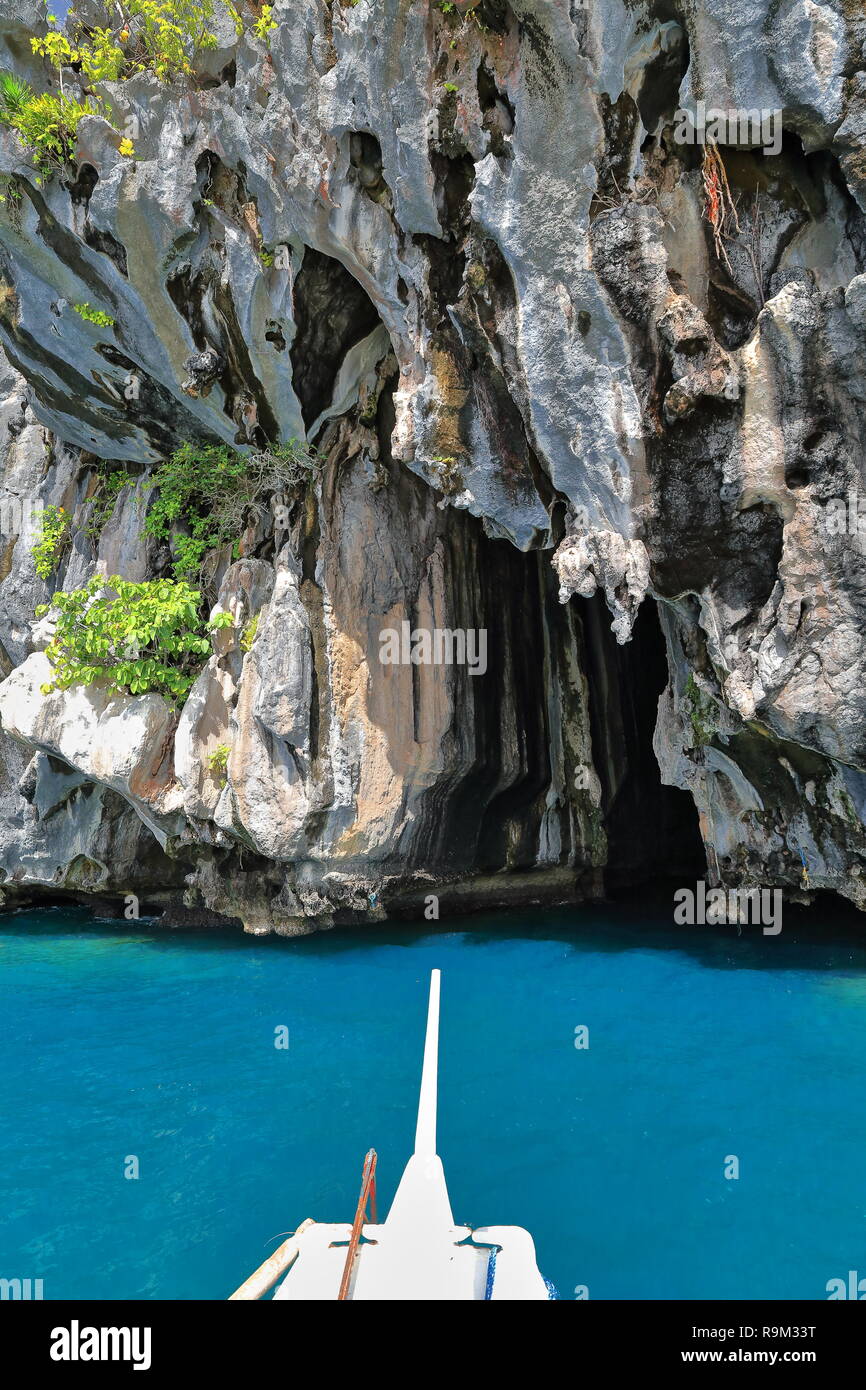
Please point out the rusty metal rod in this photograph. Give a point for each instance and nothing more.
(368, 1189)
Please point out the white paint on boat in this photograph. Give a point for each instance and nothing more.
(425, 1129)
(418, 1254)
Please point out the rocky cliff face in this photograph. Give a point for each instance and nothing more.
(575, 383)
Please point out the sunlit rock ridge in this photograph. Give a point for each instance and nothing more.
(567, 387)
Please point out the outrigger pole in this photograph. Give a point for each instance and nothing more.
(425, 1130)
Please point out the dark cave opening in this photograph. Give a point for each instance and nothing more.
(517, 667)
(333, 313)
(511, 742)
(652, 829)
(488, 817)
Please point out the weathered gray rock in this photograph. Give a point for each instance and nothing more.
(120, 741)
(546, 352)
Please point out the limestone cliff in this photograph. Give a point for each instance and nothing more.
(572, 381)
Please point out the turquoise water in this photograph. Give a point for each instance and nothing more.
(702, 1045)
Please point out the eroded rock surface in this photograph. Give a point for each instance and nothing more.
(464, 255)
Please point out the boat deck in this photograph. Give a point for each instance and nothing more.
(418, 1253)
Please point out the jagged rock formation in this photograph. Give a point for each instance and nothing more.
(465, 256)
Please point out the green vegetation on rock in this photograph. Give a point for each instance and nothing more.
(265, 24)
(47, 122)
(109, 486)
(161, 37)
(158, 36)
(702, 713)
(137, 636)
(53, 539)
(98, 316)
(217, 762)
(248, 636)
(211, 490)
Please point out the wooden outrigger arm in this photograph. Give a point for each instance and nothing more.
(278, 1264)
(368, 1193)
(275, 1265)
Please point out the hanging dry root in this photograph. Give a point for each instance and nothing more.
(719, 208)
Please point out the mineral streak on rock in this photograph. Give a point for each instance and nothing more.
(570, 381)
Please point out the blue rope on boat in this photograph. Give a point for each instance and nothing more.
(491, 1275)
(552, 1292)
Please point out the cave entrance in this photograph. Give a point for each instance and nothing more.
(652, 829)
(333, 312)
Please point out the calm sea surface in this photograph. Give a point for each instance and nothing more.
(702, 1045)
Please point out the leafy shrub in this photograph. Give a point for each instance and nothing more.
(158, 36)
(94, 315)
(217, 762)
(248, 636)
(212, 490)
(109, 486)
(137, 636)
(102, 58)
(14, 95)
(56, 47)
(169, 34)
(265, 24)
(47, 123)
(53, 539)
(191, 484)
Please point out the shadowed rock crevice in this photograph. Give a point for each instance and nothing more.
(498, 116)
(332, 313)
(365, 158)
(652, 829)
(495, 15)
(699, 539)
(106, 243)
(662, 80)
